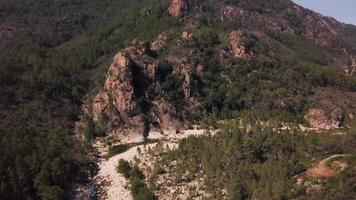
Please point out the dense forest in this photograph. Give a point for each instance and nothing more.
(54, 54)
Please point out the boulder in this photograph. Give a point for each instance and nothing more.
(187, 36)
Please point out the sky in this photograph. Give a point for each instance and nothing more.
(342, 10)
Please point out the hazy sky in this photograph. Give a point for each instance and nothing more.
(343, 10)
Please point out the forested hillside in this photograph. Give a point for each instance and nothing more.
(182, 62)
(52, 52)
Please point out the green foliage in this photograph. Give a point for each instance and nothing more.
(34, 165)
(62, 49)
(118, 149)
(124, 168)
(59, 49)
(236, 188)
(139, 189)
(171, 84)
(89, 131)
(342, 186)
(163, 70)
(259, 164)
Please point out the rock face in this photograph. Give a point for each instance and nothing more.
(129, 100)
(134, 95)
(119, 82)
(177, 8)
(321, 29)
(229, 13)
(165, 115)
(117, 101)
(318, 119)
(238, 45)
(100, 104)
(292, 20)
(350, 70)
(159, 43)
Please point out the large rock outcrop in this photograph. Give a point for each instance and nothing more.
(292, 20)
(178, 8)
(238, 45)
(321, 29)
(119, 83)
(132, 97)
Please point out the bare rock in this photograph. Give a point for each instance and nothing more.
(237, 45)
(229, 13)
(318, 119)
(119, 81)
(125, 102)
(177, 8)
(187, 73)
(100, 103)
(280, 25)
(353, 61)
(79, 128)
(321, 29)
(159, 43)
(165, 115)
(187, 36)
(350, 70)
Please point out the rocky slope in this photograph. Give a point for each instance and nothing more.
(161, 84)
(128, 99)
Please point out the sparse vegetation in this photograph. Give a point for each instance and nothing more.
(260, 164)
(117, 149)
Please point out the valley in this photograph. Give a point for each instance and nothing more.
(175, 100)
(160, 173)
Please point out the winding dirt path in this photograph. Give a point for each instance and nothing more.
(113, 185)
(322, 170)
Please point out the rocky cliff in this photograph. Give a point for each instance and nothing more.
(132, 95)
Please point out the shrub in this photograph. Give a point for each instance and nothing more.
(139, 189)
(124, 168)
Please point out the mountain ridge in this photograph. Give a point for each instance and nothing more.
(154, 83)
